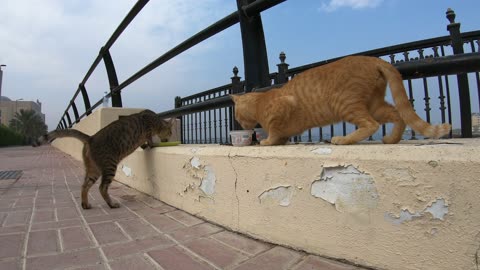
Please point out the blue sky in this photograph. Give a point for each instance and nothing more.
(48, 45)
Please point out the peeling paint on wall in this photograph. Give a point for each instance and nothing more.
(204, 173)
(281, 195)
(438, 209)
(322, 151)
(126, 170)
(208, 182)
(405, 215)
(347, 188)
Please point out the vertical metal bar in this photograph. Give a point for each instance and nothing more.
(227, 137)
(254, 48)
(220, 124)
(112, 77)
(447, 88)
(462, 79)
(75, 111)
(332, 131)
(69, 120)
(178, 104)
(309, 135)
(86, 100)
(64, 123)
(410, 93)
(210, 123)
(320, 133)
(425, 91)
(441, 97)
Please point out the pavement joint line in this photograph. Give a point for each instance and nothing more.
(87, 227)
(27, 233)
(123, 231)
(152, 261)
(60, 240)
(180, 245)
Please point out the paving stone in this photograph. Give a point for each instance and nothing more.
(137, 262)
(220, 255)
(11, 245)
(64, 260)
(164, 223)
(107, 217)
(155, 211)
(184, 218)
(13, 229)
(245, 244)
(107, 232)
(56, 224)
(17, 218)
(174, 259)
(24, 202)
(75, 238)
(67, 213)
(42, 242)
(314, 262)
(196, 231)
(43, 216)
(275, 259)
(10, 265)
(135, 228)
(122, 249)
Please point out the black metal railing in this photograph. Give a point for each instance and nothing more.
(247, 14)
(445, 66)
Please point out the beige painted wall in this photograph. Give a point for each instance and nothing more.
(404, 206)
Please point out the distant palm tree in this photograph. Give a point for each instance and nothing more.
(29, 124)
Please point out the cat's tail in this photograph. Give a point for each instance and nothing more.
(404, 107)
(59, 134)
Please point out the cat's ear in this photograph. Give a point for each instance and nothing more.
(235, 98)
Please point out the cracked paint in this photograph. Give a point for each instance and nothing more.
(438, 209)
(347, 188)
(280, 195)
(126, 170)
(195, 162)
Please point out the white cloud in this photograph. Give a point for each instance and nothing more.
(354, 4)
(48, 47)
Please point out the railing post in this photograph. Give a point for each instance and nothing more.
(462, 79)
(254, 49)
(86, 100)
(64, 123)
(282, 70)
(112, 78)
(178, 104)
(237, 87)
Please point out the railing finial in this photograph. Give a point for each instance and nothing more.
(282, 57)
(451, 15)
(235, 71)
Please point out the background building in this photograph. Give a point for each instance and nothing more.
(8, 108)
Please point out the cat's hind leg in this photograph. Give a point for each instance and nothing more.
(273, 140)
(107, 177)
(366, 127)
(387, 113)
(91, 176)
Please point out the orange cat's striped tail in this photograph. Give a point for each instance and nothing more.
(404, 108)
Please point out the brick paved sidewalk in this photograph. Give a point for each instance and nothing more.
(44, 227)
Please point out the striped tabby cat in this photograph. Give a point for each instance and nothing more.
(103, 151)
(351, 89)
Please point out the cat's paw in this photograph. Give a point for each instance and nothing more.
(86, 205)
(390, 140)
(340, 140)
(114, 205)
(265, 142)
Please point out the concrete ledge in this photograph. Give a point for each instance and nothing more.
(413, 205)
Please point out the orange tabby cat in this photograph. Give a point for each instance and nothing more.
(351, 89)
